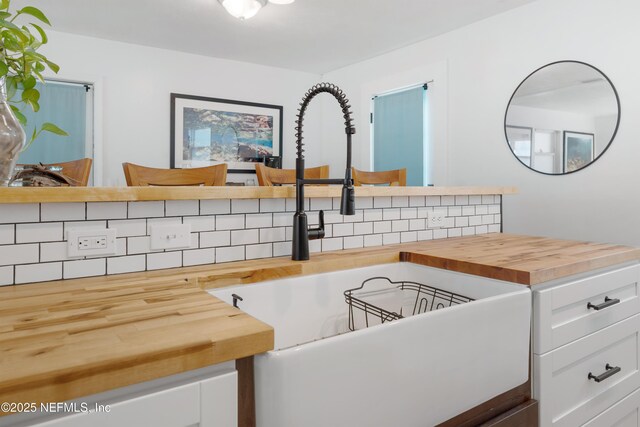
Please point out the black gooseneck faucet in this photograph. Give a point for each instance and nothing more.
(301, 231)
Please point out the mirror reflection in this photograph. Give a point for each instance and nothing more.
(562, 117)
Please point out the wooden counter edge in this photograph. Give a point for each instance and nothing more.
(132, 194)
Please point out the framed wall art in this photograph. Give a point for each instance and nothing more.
(209, 131)
(578, 150)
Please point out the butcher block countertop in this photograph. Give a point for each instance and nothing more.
(66, 339)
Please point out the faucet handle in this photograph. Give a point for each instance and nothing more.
(318, 233)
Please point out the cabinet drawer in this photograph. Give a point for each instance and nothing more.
(563, 314)
(219, 401)
(622, 414)
(567, 396)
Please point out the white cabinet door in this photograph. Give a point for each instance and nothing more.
(219, 401)
(175, 407)
(623, 414)
(77, 420)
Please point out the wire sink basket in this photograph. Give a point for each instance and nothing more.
(385, 300)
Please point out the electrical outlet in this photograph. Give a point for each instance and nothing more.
(435, 219)
(170, 236)
(89, 242)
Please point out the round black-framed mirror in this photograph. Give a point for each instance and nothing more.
(562, 117)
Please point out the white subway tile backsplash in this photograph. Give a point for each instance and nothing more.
(215, 207)
(163, 260)
(285, 219)
(245, 205)
(19, 254)
(390, 238)
(382, 202)
(7, 234)
(229, 222)
(282, 248)
(373, 240)
(182, 207)
(400, 225)
(200, 223)
(272, 205)
(363, 228)
(268, 235)
(373, 215)
(56, 251)
(382, 227)
(331, 244)
(408, 213)
(425, 235)
(417, 224)
(255, 228)
(400, 201)
(39, 232)
(84, 268)
(10, 213)
(215, 238)
(38, 272)
(389, 214)
(433, 201)
(322, 203)
(6, 275)
(417, 201)
(408, 236)
(259, 220)
(353, 242)
(146, 209)
(106, 210)
(244, 237)
(198, 257)
(62, 211)
(126, 264)
(264, 250)
(342, 229)
(231, 253)
(129, 227)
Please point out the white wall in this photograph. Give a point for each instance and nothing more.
(136, 82)
(485, 63)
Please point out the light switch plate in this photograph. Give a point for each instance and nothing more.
(90, 242)
(170, 236)
(435, 218)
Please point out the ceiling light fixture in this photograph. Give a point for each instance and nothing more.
(245, 9)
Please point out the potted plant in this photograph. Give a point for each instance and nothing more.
(21, 67)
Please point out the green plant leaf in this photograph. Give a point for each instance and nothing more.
(50, 127)
(29, 82)
(4, 69)
(4, 4)
(6, 24)
(21, 117)
(43, 36)
(54, 67)
(4, 15)
(35, 12)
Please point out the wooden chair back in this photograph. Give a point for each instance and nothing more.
(396, 177)
(137, 175)
(78, 171)
(272, 176)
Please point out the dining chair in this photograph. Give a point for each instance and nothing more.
(397, 177)
(272, 176)
(137, 175)
(78, 171)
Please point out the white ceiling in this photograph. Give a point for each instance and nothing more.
(308, 35)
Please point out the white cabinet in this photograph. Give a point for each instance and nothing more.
(623, 414)
(586, 348)
(203, 402)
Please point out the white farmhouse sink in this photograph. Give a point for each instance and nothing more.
(417, 371)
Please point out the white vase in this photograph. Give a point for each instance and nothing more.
(12, 137)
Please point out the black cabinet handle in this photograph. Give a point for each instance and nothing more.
(608, 302)
(236, 298)
(611, 370)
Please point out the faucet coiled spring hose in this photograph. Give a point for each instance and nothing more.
(346, 113)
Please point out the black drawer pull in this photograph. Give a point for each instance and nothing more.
(608, 302)
(611, 370)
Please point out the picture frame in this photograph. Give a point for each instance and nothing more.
(209, 131)
(578, 149)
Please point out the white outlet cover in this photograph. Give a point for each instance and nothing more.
(435, 218)
(104, 238)
(176, 236)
